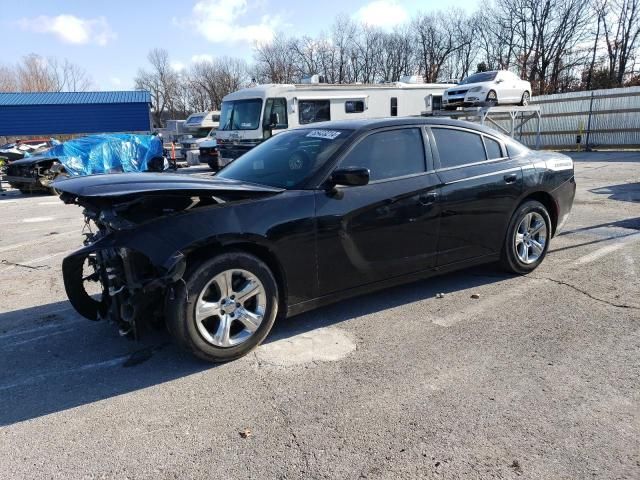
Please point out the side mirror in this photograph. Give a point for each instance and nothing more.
(350, 176)
(499, 80)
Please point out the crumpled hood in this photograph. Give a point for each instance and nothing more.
(33, 159)
(124, 184)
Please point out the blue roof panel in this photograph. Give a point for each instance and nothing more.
(73, 98)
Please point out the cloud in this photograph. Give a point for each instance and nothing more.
(115, 81)
(71, 29)
(202, 57)
(382, 13)
(177, 66)
(225, 21)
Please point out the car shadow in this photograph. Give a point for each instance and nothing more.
(625, 192)
(16, 194)
(54, 360)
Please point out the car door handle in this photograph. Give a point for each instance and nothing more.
(427, 198)
(510, 178)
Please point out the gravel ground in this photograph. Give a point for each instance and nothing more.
(537, 378)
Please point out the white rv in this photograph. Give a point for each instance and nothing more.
(252, 115)
(199, 127)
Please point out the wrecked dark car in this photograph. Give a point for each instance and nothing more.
(89, 155)
(34, 174)
(310, 216)
(25, 148)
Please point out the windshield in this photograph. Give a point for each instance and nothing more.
(288, 159)
(241, 114)
(201, 133)
(479, 77)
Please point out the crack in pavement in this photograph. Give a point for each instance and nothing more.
(283, 413)
(584, 292)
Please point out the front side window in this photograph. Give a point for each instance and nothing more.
(458, 147)
(240, 114)
(354, 106)
(287, 159)
(276, 109)
(312, 111)
(389, 154)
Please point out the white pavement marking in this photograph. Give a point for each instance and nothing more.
(35, 339)
(604, 251)
(51, 202)
(37, 242)
(38, 219)
(82, 368)
(28, 331)
(320, 345)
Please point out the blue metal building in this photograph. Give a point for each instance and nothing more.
(74, 112)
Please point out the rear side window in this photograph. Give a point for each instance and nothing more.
(311, 111)
(389, 154)
(354, 106)
(457, 147)
(493, 148)
(394, 106)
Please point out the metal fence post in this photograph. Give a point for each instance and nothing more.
(587, 146)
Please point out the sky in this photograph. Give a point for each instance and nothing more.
(111, 38)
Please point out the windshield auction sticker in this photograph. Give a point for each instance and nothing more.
(326, 134)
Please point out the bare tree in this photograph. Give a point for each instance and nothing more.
(8, 81)
(209, 81)
(621, 28)
(435, 36)
(35, 73)
(163, 82)
(275, 61)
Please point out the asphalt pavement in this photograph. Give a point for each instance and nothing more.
(538, 377)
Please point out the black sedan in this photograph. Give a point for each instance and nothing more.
(310, 216)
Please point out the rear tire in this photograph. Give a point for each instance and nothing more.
(212, 318)
(526, 98)
(527, 240)
(492, 98)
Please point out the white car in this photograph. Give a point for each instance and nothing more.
(488, 88)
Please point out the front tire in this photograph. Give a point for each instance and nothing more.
(527, 239)
(492, 98)
(526, 98)
(225, 308)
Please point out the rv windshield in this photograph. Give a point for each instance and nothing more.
(201, 132)
(288, 159)
(241, 114)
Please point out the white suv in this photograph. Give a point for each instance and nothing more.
(493, 88)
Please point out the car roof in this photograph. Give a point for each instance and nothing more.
(373, 124)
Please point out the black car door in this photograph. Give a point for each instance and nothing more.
(480, 186)
(386, 228)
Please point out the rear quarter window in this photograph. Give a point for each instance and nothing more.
(493, 148)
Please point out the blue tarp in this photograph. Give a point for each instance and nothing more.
(108, 153)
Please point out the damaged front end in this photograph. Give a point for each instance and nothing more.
(137, 240)
(108, 279)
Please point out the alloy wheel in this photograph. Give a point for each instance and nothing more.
(230, 308)
(530, 238)
(525, 99)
